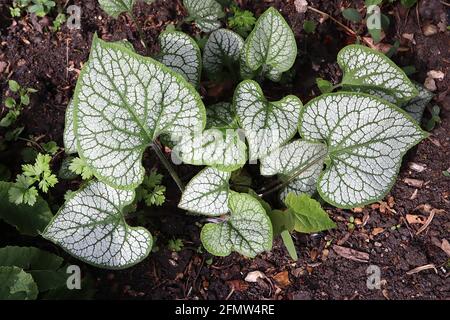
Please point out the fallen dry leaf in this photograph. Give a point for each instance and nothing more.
(301, 6)
(418, 167)
(429, 30)
(254, 276)
(415, 219)
(238, 285)
(436, 74)
(351, 254)
(377, 231)
(282, 279)
(414, 182)
(446, 247)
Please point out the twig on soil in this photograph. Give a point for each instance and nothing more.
(445, 3)
(427, 223)
(349, 30)
(422, 268)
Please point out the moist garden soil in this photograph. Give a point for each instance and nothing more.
(406, 231)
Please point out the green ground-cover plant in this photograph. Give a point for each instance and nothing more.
(15, 105)
(343, 147)
(39, 7)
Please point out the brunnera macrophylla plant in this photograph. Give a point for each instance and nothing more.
(345, 147)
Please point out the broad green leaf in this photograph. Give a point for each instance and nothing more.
(28, 220)
(281, 221)
(207, 193)
(91, 226)
(222, 149)
(247, 230)
(70, 143)
(181, 53)
(223, 49)
(271, 46)
(42, 265)
(308, 215)
(299, 162)
(29, 258)
(352, 14)
(417, 106)
(289, 244)
(220, 115)
(123, 102)
(267, 125)
(205, 13)
(16, 284)
(371, 70)
(366, 139)
(115, 7)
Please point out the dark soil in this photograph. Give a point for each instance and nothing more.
(384, 232)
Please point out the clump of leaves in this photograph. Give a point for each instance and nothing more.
(15, 106)
(349, 152)
(241, 21)
(24, 190)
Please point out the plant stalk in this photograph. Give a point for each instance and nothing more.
(168, 166)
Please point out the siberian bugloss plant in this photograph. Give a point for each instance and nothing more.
(345, 147)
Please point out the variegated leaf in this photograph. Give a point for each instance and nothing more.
(270, 49)
(372, 72)
(267, 125)
(223, 49)
(300, 162)
(181, 53)
(92, 227)
(247, 230)
(366, 139)
(205, 13)
(122, 103)
(207, 193)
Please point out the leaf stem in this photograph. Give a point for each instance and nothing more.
(291, 178)
(168, 166)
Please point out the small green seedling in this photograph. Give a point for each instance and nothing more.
(59, 21)
(24, 189)
(41, 7)
(241, 21)
(175, 245)
(435, 118)
(15, 106)
(151, 191)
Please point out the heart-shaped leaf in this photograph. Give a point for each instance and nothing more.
(270, 48)
(205, 13)
(122, 103)
(267, 125)
(91, 226)
(223, 49)
(369, 70)
(247, 230)
(366, 139)
(308, 215)
(300, 163)
(16, 284)
(207, 193)
(115, 7)
(181, 53)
